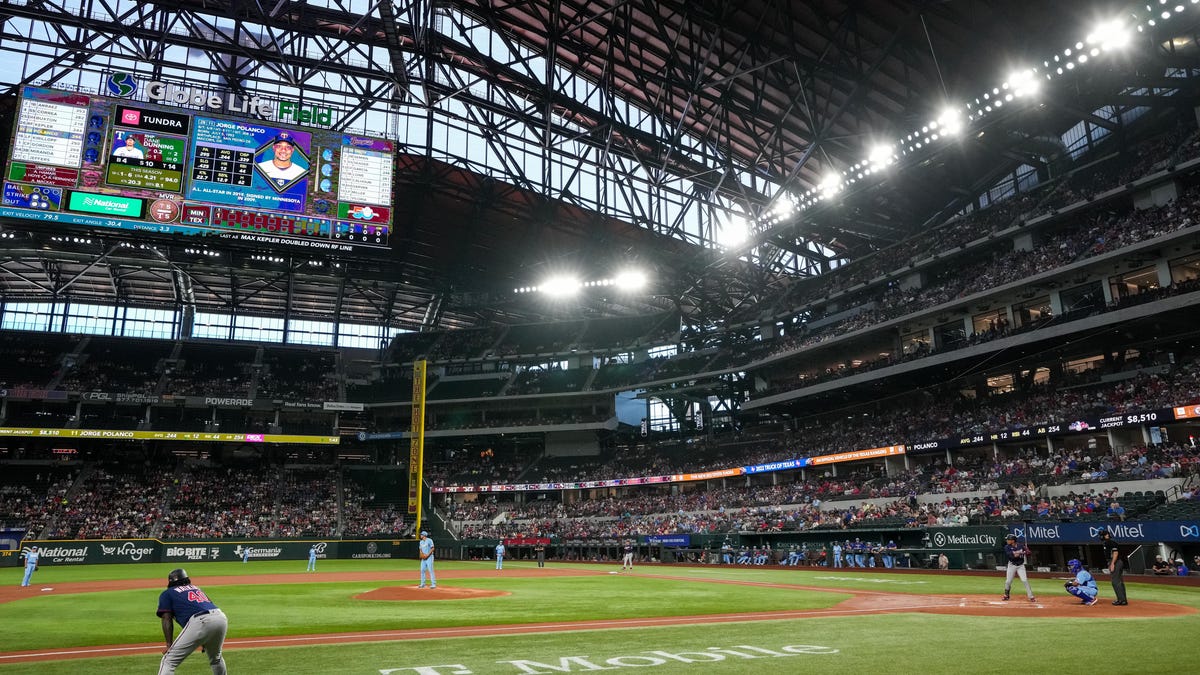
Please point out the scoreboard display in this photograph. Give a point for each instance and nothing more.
(101, 162)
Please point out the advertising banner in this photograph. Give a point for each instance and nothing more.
(10, 547)
(527, 541)
(967, 537)
(872, 453)
(1167, 531)
(366, 550)
(103, 551)
(258, 550)
(670, 539)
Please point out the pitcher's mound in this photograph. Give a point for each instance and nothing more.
(394, 593)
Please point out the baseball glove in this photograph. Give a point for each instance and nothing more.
(1069, 585)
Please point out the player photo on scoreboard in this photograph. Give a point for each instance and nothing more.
(128, 145)
(282, 161)
(146, 159)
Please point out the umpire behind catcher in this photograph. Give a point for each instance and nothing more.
(201, 623)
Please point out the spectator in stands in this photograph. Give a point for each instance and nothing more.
(1161, 567)
(1116, 511)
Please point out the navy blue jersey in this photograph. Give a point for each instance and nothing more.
(1015, 554)
(629, 548)
(184, 602)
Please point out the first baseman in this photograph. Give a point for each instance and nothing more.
(31, 563)
(627, 558)
(1016, 554)
(201, 624)
(426, 550)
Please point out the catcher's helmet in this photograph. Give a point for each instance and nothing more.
(1074, 565)
(178, 577)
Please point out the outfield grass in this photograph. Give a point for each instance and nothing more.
(894, 643)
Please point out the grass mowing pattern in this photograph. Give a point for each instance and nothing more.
(898, 643)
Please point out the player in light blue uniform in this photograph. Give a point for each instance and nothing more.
(31, 562)
(245, 554)
(426, 550)
(500, 556)
(312, 559)
(1083, 586)
(837, 554)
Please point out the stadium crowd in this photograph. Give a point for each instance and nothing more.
(108, 501)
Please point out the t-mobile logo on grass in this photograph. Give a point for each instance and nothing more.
(582, 664)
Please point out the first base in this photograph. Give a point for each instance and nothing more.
(612, 572)
(48, 588)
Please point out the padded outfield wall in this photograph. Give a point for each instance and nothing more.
(107, 551)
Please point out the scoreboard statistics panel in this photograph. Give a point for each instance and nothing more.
(101, 162)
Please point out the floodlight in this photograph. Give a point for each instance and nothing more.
(831, 184)
(1111, 34)
(734, 232)
(630, 280)
(1024, 83)
(560, 287)
(880, 155)
(951, 121)
(784, 206)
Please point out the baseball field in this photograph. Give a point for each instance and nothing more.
(368, 617)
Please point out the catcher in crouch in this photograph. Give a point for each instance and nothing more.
(1083, 586)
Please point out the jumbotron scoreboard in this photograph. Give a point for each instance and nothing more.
(102, 162)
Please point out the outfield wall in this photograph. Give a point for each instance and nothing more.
(105, 551)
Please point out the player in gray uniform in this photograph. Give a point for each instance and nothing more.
(1017, 555)
(201, 624)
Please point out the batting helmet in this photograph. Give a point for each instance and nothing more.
(1074, 565)
(178, 577)
(1011, 537)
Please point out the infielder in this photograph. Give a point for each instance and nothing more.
(31, 563)
(201, 624)
(425, 548)
(1016, 565)
(627, 559)
(1083, 586)
(312, 559)
(500, 556)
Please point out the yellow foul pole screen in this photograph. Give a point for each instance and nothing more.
(416, 448)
